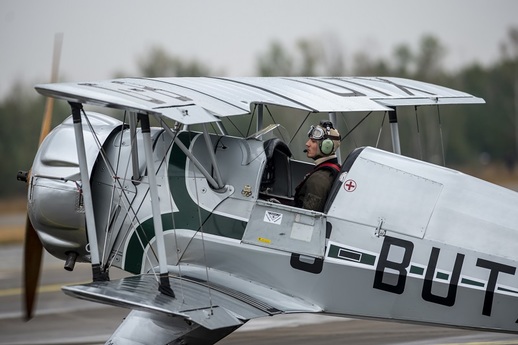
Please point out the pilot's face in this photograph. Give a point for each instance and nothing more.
(312, 148)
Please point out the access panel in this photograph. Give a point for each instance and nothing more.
(286, 228)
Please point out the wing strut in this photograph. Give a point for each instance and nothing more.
(164, 286)
(210, 150)
(216, 184)
(134, 152)
(394, 129)
(260, 117)
(333, 119)
(98, 274)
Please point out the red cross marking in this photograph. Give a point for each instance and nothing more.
(350, 185)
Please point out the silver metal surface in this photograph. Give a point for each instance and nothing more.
(192, 303)
(399, 236)
(55, 204)
(273, 225)
(171, 97)
(85, 189)
(134, 150)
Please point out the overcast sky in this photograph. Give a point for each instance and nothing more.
(104, 37)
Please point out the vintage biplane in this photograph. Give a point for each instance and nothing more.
(202, 218)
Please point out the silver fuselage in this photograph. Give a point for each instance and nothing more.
(398, 237)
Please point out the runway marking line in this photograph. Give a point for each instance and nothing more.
(498, 342)
(41, 289)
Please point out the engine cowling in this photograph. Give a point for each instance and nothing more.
(55, 199)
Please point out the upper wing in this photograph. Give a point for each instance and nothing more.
(200, 99)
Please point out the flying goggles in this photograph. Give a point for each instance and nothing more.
(320, 132)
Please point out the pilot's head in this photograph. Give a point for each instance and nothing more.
(323, 140)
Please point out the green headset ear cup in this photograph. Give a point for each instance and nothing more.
(327, 146)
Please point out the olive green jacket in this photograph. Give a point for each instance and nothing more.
(313, 191)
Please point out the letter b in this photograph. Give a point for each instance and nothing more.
(400, 267)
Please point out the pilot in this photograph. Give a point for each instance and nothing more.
(321, 146)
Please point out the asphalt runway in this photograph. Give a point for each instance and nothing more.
(61, 320)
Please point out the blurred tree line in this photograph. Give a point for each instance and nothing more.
(470, 132)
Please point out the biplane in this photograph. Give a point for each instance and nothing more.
(200, 217)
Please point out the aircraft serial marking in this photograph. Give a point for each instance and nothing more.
(495, 269)
(404, 267)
